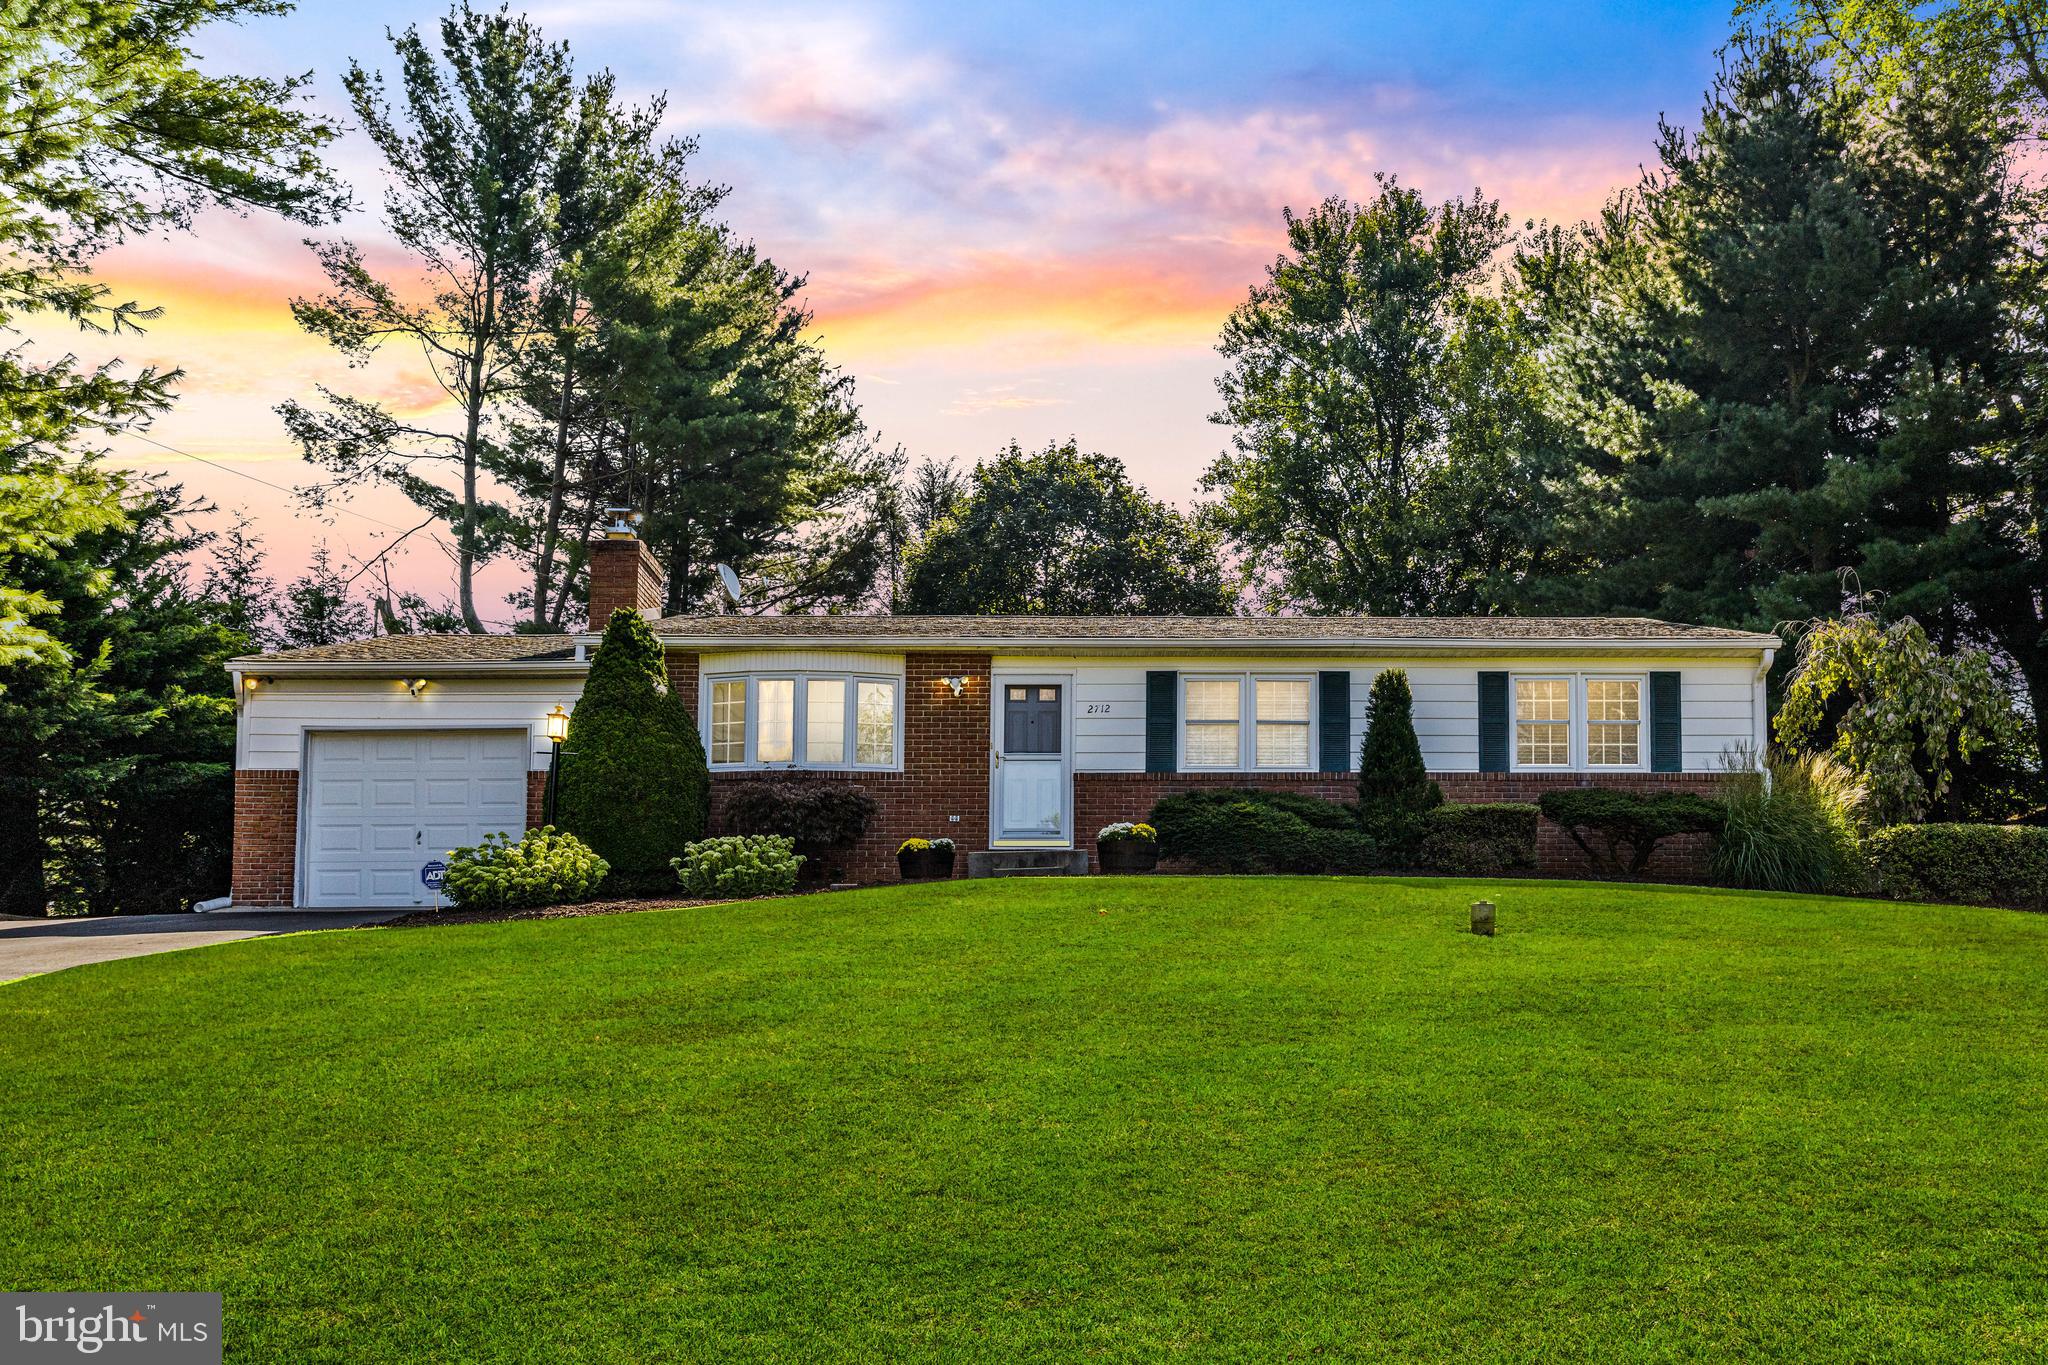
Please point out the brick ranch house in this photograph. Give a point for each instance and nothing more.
(358, 764)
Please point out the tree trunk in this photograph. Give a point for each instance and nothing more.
(465, 541)
(544, 566)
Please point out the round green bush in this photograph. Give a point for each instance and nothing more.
(739, 865)
(1965, 864)
(546, 867)
(1247, 830)
(1479, 840)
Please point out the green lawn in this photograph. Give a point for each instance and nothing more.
(1125, 1119)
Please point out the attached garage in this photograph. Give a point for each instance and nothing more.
(382, 804)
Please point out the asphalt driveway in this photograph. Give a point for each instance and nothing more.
(32, 946)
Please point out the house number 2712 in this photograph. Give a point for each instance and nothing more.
(1098, 708)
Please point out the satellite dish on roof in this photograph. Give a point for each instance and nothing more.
(731, 581)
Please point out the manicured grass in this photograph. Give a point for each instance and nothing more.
(1214, 1119)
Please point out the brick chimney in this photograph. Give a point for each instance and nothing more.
(623, 573)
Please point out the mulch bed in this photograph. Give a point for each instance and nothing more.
(420, 919)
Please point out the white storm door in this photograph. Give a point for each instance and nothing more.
(1032, 789)
(381, 805)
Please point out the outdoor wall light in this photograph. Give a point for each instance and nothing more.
(955, 681)
(415, 685)
(249, 684)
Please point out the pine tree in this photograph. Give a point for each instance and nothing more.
(319, 609)
(1394, 788)
(634, 785)
(243, 597)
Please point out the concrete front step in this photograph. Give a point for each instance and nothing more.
(1028, 862)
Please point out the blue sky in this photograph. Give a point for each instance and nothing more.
(1022, 221)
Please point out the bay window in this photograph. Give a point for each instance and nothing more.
(815, 720)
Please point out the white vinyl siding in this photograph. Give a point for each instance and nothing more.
(1719, 706)
(276, 715)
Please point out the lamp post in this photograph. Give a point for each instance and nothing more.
(557, 724)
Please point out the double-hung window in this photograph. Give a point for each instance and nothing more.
(1578, 722)
(810, 720)
(1543, 722)
(1243, 722)
(1614, 722)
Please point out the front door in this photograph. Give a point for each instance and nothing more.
(1032, 793)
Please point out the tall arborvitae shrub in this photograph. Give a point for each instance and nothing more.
(634, 785)
(1394, 789)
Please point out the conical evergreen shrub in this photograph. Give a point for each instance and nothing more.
(634, 785)
(1395, 792)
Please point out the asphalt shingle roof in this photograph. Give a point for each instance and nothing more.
(436, 649)
(1108, 630)
(1195, 629)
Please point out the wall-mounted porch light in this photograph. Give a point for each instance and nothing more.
(415, 685)
(955, 681)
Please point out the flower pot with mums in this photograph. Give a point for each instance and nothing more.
(1126, 847)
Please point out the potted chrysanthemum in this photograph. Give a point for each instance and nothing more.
(1127, 847)
(914, 859)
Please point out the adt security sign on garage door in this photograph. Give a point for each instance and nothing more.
(381, 805)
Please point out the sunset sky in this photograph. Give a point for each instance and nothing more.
(1022, 221)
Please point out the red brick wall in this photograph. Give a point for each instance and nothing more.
(945, 760)
(682, 675)
(266, 836)
(623, 573)
(536, 798)
(1103, 798)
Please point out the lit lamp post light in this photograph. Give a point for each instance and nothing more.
(557, 728)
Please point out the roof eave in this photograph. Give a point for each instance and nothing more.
(1158, 644)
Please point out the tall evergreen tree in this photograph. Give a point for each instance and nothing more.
(319, 608)
(109, 674)
(467, 196)
(1395, 790)
(634, 785)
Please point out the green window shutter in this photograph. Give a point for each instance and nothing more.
(1493, 722)
(1333, 718)
(1162, 704)
(1667, 725)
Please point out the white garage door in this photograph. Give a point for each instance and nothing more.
(384, 804)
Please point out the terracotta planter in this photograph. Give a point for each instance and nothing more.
(1127, 855)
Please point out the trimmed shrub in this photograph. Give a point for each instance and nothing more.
(1479, 841)
(1395, 792)
(1797, 832)
(1615, 820)
(823, 818)
(739, 865)
(1967, 864)
(634, 785)
(546, 867)
(1236, 830)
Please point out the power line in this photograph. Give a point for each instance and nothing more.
(253, 478)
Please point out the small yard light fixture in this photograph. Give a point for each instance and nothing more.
(556, 726)
(1482, 918)
(956, 681)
